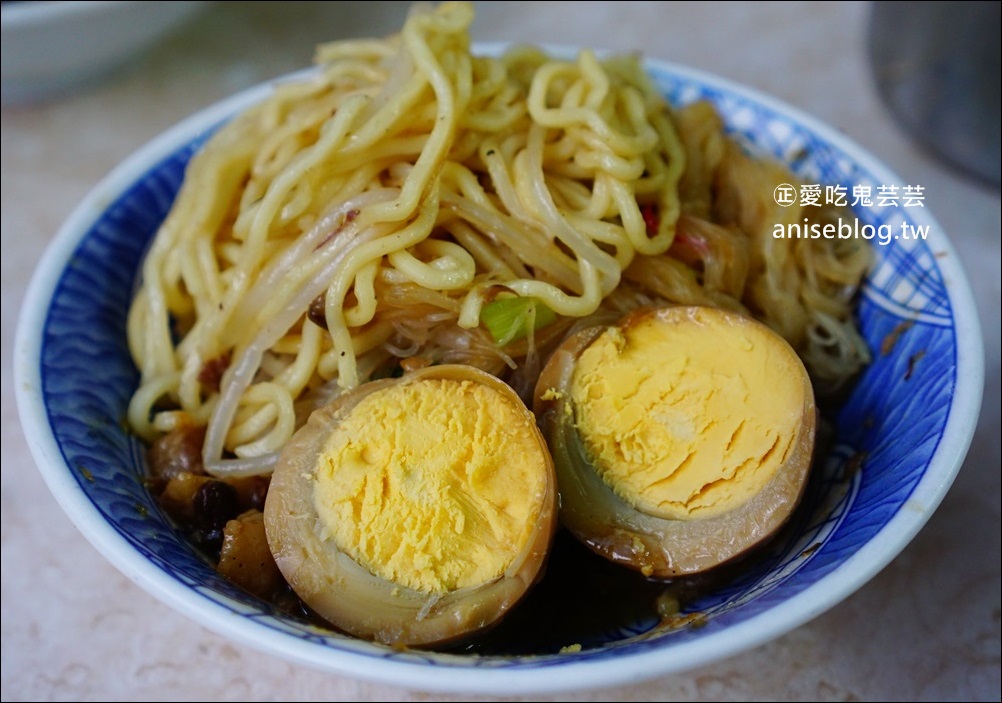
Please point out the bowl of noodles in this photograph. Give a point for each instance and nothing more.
(415, 203)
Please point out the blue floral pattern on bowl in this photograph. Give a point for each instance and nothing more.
(888, 428)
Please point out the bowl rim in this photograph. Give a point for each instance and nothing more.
(828, 591)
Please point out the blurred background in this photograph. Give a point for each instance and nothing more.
(913, 83)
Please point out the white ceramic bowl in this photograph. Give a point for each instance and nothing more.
(55, 47)
(902, 434)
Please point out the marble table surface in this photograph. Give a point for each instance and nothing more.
(926, 628)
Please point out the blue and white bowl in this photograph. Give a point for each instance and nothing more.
(901, 438)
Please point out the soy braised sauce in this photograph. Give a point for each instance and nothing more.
(583, 599)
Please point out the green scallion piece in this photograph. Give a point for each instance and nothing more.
(511, 318)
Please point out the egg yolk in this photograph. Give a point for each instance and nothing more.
(434, 485)
(689, 418)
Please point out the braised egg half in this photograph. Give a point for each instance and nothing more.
(682, 436)
(414, 511)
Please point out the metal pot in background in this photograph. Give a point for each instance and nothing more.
(937, 67)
